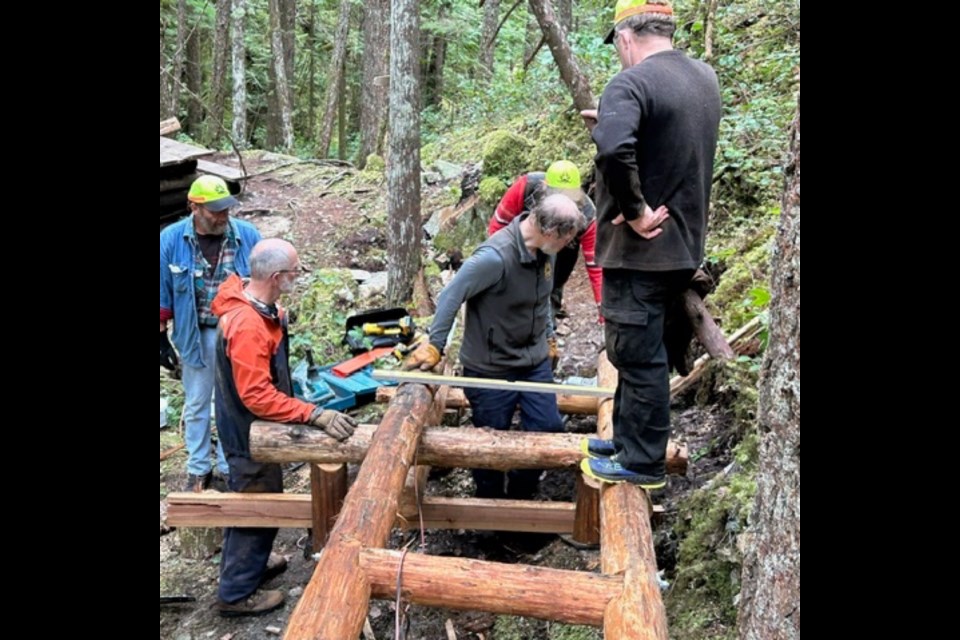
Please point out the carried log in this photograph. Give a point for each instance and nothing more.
(466, 447)
(335, 602)
(704, 327)
(573, 597)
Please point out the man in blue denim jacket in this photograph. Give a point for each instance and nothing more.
(196, 255)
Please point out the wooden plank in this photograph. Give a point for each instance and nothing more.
(173, 151)
(334, 604)
(168, 126)
(213, 509)
(222, 170)
(491, 515)
(489, 383)
(574, 597)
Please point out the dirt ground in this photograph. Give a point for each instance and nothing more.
(318, 224)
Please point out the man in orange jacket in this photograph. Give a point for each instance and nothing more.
(253, 383)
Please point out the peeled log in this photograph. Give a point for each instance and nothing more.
(574, 597)
(466, 447)
(334, 604)
(626, 547)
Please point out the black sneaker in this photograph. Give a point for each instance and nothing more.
(609, 470)
(197, 484)
(258, 604)
(597, 448)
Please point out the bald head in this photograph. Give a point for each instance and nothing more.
(270, 256)
(558, 214)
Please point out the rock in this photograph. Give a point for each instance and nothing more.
(295, 592)
(274, 630)
(448, 170)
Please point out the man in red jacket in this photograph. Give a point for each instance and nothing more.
(253, 383)
(528, 191)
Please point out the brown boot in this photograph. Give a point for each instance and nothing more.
(258, 604)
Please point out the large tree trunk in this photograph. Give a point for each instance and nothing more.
(403, 165)
(218, 81)
(311, 73)
(333, 80)
(770, 598)
(556, 38)
(178, 57)
(438, 54)
(239, 129)
(284, 112)
(194, 82)
(565, 13)
(710, 21)
(288, 33)
(376, 76)
(165, 90)
(491, 17)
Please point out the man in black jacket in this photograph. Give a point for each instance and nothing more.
(508, 334)
(656, 134)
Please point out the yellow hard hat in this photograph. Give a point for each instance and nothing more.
(212, 193)
(563, 174)
(627, 8)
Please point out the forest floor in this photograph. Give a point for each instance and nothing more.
(334, 230)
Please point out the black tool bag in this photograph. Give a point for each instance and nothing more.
(359, 343)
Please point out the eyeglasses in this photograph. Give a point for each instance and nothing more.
(299, 269)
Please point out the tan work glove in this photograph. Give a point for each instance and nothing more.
(334, 424)
(424, 358)
(553, 351)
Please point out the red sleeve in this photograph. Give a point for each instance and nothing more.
(511, 205)
(165, 314)
(588, 245)
(250, 348)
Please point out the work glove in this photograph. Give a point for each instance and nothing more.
(168, 357)
(334, 424)
(424, 358)
(553, 351)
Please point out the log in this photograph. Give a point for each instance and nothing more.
(739, 342)
(626, 546)
(573, 597)
(704, 327)
(577, 405)
(466, 447)
(586, 524)
(168, 126)
(328, 488)
(334, 604)
(172, 450)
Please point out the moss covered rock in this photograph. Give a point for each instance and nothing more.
(505, 155)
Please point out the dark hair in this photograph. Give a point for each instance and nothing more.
(649, 24)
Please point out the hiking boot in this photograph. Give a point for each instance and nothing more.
(258, 604)
(276, 564)
(609, 470)
(220, 482)
(597, 448)
(197, 484)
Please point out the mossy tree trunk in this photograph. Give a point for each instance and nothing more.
(218, 82)
(285, 109)
(334, 86)
(403, 162)
(770, 598)
(239, 52)
(491, 17)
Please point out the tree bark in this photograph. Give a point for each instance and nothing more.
(565, 13)
(566, 61)
(438, 54)
(574, 597)
(770, 598)
(328, 488)
(284, 108)
(709, 24)
(165, 89)
(239, 49)
(376, 77)
(491, 17)
(337, 70)
(218, 80)
(311, 72)
(403, 165)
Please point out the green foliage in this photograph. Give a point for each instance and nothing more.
(375, 163)
(321, 314)
(491, 190)
(743, 290)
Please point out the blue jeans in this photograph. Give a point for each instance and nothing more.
(494, 408)
(198, 396)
